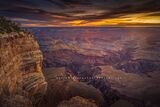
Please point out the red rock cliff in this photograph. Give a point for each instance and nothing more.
(22, 83)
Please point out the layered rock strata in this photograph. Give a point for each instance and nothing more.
(78, 102)
(22, 83)
(61, 87)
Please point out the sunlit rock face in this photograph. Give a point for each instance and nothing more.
(22, 83)
(78, 102)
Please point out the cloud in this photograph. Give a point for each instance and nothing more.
(74, 10)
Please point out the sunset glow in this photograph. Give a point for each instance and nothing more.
(72, 13)
(141, 19)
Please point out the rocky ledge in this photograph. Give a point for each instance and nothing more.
(22, 83)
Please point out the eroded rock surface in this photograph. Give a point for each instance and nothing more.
(22, 83)
(78, 102)
(61, 88)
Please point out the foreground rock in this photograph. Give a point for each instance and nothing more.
(22, 83)
(78, 102)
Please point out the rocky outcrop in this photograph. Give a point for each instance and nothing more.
(139, 66)
(22, 83)
(103, 85)
(78, 102)
(61, 87)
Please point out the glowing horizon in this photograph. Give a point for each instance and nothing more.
(81, 13)
(141, 19)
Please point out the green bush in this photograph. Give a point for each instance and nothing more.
(7, 26)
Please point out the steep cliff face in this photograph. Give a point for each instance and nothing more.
(22, 83)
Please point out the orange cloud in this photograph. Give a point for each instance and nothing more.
(132, 19)
(141, 19)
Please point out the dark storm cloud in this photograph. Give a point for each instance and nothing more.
(128, 7)
(77, 2)
(27, 10)
(65, 3)
(46, 10)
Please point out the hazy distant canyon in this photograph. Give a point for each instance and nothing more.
(80, 67)
(128, 57)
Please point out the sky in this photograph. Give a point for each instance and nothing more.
(68, 13)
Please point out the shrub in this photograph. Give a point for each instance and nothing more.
(7, 26)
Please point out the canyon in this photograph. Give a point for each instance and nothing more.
(24, 84)
(57, 69)
(125, 59)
